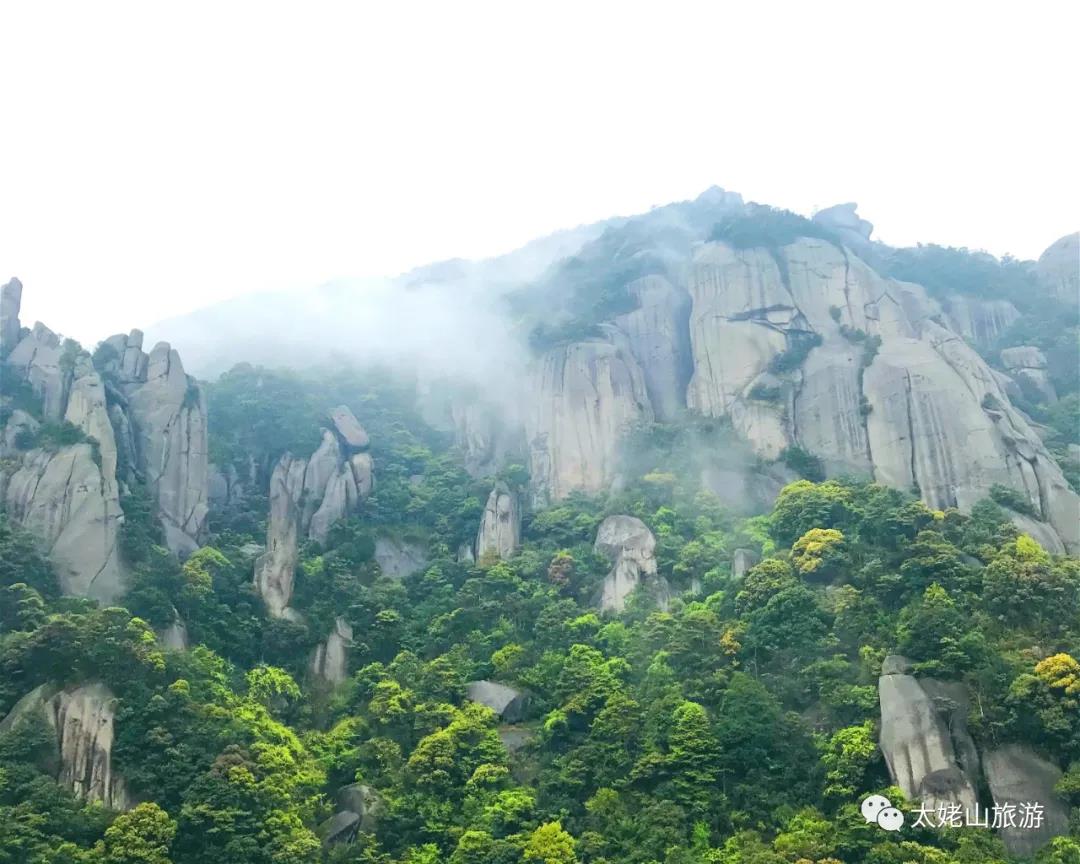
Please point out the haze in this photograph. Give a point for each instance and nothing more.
(159, 159)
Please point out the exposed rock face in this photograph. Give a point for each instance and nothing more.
(349, 428)
(1027, 364)
(82, 719)
(586, 396)
(510, 704)
(656, 332)
(916, 741)
(65, 500)
(175, 636)
(741, 562)
(630, 546)
(485, 441)
(307, 496)
(926, 412)
(1016, 775)
(37, 359)
(845, 221)
(330, 659)
(1059, 268)
(980, 321)
(500, 526)
(399, 558)
(361, 806)
(10, 303)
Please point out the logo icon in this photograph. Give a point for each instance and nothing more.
(879, 810)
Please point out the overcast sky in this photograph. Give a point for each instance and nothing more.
(156, 157)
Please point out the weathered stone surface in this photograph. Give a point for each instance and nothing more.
(330, 658)
(10, 303)
(1027, 365)
(1059, 268)
(657, 336)
(82, 719)
(509, 703)
(349, 428)
(275, 569)
(363, 800)
(166, 410)
(339, 828)
(37, 359)
(19, 427)
(500, 526)
(630, 546)
(586, 396)
(917, 745)
(980, 321)
(399, 558)
(845, 221)
(741, 562)
(175, 636)
(67, 503)
(486, 441)
(1017, 775)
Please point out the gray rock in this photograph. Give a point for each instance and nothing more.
(510, 704)
(1059, 268)
(1017, 775)
(630, 546)
(65, 500)
(330, 658)
(175, 636)
(10, 303)
(349, 428)
(896, 664)
(980, 321)
(741, 561)
(36, 358)
(500, 526)
(364, 801)
(20, 426)
(82, 719)
(655, 333)
(399, 558)
(486, 437)
(844, 219)
(586, 396)
(339, 828)
(917, 745)
(1027, 365)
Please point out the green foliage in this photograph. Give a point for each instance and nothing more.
(804, 463)
(799, 345)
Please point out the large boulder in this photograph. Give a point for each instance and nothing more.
(506, 701)
(82, 719)
(500, 526)
(980, 321)
(1059, 268)
(916, 741)
(398, 558)
(348, 427)
(1027, 365)
(1017, 776)
(330, 660)
(68, 503)
(630, 546)
(586, 395)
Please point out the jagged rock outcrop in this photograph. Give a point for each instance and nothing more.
(656, 334)
(307, 496)
(82, 719)
(175, 636)
(586, 395)
(508, 702)
(916, 739)
(1027, 365)
(10, 303)
(399, 558)
(630, 546)
(1059, 268)
(348, 427)
(329, 661)
(980, 321)
(922, 411)
(500, 526)
(486, 441)
(65, 500)
(163, 423)
(846, 222)
(1017, 775)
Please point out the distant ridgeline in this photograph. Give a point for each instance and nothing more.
(777, 518)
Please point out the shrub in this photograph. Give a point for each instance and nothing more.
(804, 463)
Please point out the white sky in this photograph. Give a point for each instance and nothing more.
(157, 157)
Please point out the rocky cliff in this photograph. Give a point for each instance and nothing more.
(307, 496)
(500, 527)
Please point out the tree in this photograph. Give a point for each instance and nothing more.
(820, 554)
(140, 836)
(550, 844)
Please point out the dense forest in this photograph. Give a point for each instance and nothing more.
(738, 727)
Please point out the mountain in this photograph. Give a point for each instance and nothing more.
(668, 538)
